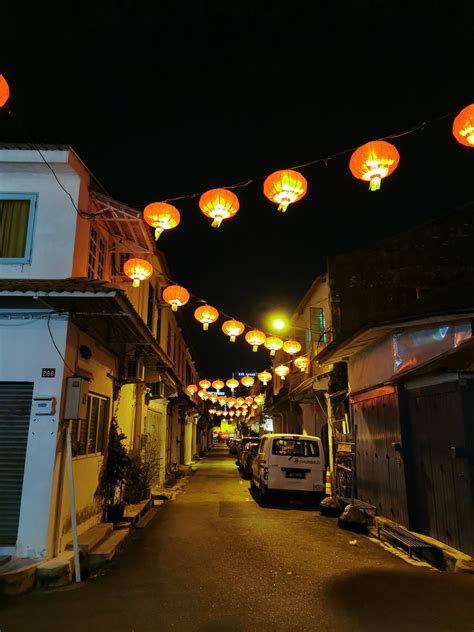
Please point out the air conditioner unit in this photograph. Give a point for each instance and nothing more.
(134, 371)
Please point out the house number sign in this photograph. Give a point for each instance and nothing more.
(48, 372)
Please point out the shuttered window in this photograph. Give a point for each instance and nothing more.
(87, 435)
(15, 411)
(17, 218)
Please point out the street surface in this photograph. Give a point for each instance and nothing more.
(214, 560)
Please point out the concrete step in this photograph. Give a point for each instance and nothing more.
(17, 576)
(92, 536)
(58, 571)
(105, 550)
(146, 518)
(134, 512)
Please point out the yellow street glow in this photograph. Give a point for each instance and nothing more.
(279, 324)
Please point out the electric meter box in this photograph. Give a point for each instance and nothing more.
(75, 406)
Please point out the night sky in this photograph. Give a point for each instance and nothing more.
(163, 100)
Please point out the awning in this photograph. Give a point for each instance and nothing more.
(100, 309)
(342, 350)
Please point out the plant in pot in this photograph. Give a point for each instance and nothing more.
(110, 492)
(143, 472)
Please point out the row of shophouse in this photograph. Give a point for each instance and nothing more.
(67, 309)
(390, 388)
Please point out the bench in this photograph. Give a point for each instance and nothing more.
(405, 538)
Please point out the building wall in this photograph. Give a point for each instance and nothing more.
(26, 348)
(56, 218)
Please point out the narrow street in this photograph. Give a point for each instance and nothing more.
(213, 559)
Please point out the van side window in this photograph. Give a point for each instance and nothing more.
(262, 445)
(295, 447)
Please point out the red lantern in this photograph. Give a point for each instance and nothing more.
(282, 371)
(161, 216)
(176, 296)
(206, 315)
(264, 377)
(137, 270)
(204, 384)
(292, 347)
(247, 381)
(285, 187)
(255, 338)
(463, 126)
(232, 383)
(274, 344)
(302, 363)
(218, 385)
(192, 389)
(233, 328)
(4, 91)
(219, 204)
(373, 162)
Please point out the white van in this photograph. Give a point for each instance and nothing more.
(288, 462)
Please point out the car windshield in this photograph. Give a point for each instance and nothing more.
(295, 447)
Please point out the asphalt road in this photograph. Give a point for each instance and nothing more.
(214, 560)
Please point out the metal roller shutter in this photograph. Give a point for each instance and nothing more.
(15, 410)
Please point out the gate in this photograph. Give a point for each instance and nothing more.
(15, 411)
(442, 471)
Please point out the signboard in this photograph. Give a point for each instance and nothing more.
(48, 372)
(243, 374)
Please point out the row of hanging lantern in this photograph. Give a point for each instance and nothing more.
(372, 162)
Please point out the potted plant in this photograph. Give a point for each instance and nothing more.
(111, 484)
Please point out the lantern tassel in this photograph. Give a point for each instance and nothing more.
(217, 222)
(232, 338)
(254, 348)
(174, 307)
(272, 352)
(158, 232)
(375, 183)
(282, 207)
(136, 282)
(205, 326)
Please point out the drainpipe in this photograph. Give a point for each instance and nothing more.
(137, 423)
(330, 439)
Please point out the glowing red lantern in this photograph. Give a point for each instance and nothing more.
(285, 187)
(218, 385)
(206, 315)
(204, 384)
(247, 381)
(273, 344)
(219, 204)
(233, 328)
(282, 371)
(232, 383)
(4, 91)
(302, 363)
(161, 216)
(292, 347)
(264, 377)
(463, 126)
(255, 337)
(373, 162)
(176, 296)
(230, 402)
(137, 270)
(192, 389)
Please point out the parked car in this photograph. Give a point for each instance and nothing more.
(289, 463)
(242, 443)
(249, 452)
(233, 443)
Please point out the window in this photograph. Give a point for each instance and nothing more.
(158, 315)
(95, 266)
(318, 324)
(124, 256)
(87, 435)
(17, 218)
(295, 447)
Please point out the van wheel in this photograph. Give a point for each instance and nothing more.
(263, 495)
(253, 487)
